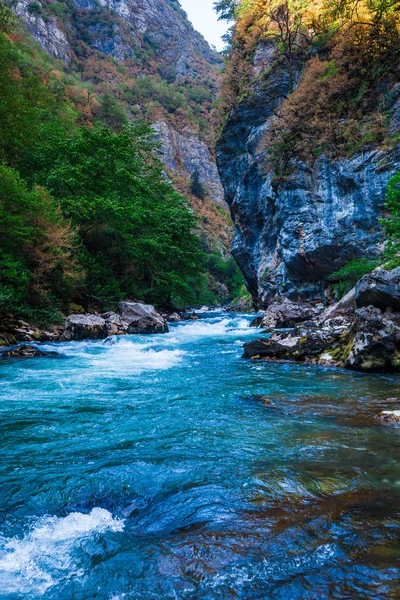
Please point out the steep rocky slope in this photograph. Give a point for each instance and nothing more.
(298, 224)
(145, 54)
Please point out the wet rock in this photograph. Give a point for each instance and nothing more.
(85, 327)
(326, 344)
(142, 318)
(256, 322)
(22, 352)
(377, 341)
(380, 289)
(285, 314)
(174, 318)
(114, 324)
(391, 416)
(190, 317)
(16, 330)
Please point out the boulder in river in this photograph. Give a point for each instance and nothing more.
(377, 341)
(309, 343)
(142, 318)
(85, 327)
(390, 416)
(380, 289)
(284, 313)
(23, 351)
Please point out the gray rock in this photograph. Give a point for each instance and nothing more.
(285, 314)
(23, 352)
(85, 327)
(377, 342)
(185, 151)
(389, 416)
(174, 318)
(114, 324)
(142, 318)
(380, 289)
(312, 344)
(291, 234)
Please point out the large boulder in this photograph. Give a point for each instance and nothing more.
(380, 289)
(85, 327)
(142, 318)
(325, 344)
(284, 314)
(377, 341)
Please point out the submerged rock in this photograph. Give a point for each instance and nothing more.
(85, 327)
(142, 318)
(22, 352)
(392, 416)
(380, 289)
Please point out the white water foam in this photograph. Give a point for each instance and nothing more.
(43, 557)
(127, 356)
(222, 327)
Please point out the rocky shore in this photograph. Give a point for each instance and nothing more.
(361, 332)
(131, 318)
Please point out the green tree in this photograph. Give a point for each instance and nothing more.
(196, 187)
(36, 248)
(138, 234)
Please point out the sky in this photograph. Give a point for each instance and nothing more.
(205, 20)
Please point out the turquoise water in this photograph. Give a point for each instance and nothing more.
(169, 467)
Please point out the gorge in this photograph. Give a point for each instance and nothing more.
(167, 431)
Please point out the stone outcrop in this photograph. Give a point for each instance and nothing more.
(376, 346)
(362, 339)
(23, 351)
(292, 233)
(132, 318)
(380, 289)
(284, 313)
(142, 318)
(85, 327)
(315, 344)
(13, 331)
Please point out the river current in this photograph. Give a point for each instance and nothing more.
(163, 467)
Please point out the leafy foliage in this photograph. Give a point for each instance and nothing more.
(86, 213)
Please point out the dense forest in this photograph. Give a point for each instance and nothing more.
(88, 216)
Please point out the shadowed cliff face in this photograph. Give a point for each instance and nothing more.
(291, 236)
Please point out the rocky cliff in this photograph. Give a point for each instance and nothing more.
(166, 70)
(293, 231)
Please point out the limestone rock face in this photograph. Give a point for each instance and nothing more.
(380, 289)
(85, 327)
(291, 234)
(184, 151)
(50, 35)
(142, 318)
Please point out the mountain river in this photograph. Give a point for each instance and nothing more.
(168, 467)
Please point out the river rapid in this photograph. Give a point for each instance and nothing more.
(163, 467)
